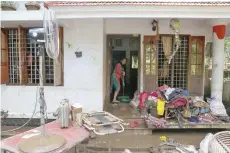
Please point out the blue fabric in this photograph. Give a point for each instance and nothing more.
(115, 82)
(194, 120)
(184, 92)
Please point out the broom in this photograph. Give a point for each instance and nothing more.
(124, 99)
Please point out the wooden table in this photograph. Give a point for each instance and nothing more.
(72, 135)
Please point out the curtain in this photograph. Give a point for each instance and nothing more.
(167, 48)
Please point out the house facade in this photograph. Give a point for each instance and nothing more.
(95, 30)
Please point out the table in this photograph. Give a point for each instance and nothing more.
(72, 135)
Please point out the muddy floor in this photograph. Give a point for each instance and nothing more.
(138, 139)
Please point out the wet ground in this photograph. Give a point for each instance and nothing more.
(138, 139)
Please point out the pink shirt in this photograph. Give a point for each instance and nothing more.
(118, 71)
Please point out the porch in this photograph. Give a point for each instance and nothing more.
(86, 31)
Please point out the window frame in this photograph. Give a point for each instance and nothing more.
(61, 56)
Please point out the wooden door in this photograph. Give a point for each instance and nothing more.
(108, 66)
(196, 65)
(4, 57)
(150, 63)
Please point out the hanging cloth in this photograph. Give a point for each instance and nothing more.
(167, 48)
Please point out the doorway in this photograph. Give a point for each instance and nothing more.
(123, 46)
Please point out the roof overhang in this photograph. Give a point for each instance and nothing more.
(139, 9)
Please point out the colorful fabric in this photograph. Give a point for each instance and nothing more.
(162, 88)
(118, 71)
(177, 102)
(160, 107)
(143, 97)
(115, 82)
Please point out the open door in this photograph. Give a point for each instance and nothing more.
(4, 57)
(108, 71)
(196, 65)
(150, 63)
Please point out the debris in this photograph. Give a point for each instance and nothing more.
(158, 123)
(4, 114)
(217, 107)
(102, 123)
(134, 123)
(163, 138)
(204, 143)
(127, 151)
(171, 146)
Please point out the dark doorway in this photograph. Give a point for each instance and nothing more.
(127, 46)
(134, 65)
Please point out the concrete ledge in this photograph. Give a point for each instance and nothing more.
(21, 16)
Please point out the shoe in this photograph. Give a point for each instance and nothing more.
(115, 101)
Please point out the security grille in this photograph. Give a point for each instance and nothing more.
(177, 70)
(13, 54)
(32, 61)
(49, 70)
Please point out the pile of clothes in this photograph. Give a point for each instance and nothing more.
(176, 103)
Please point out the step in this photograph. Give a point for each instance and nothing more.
(119, 142)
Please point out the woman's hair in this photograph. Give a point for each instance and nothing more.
(124, 58)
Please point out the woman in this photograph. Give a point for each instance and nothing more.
(118, 74)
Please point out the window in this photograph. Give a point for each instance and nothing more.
(134, 62)
(150, 59)
(173, 74)
(23, 60)
(119, 42)
(196, 57)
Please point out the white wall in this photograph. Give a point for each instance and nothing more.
(83, 77)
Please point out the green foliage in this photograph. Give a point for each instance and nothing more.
(227, 48)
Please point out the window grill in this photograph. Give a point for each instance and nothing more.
(13, 57)
(49, 70)
(180, 63)
(32, 61)
(177, 73)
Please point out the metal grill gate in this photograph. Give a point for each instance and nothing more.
(178, 69)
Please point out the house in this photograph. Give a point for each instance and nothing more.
(103, 31)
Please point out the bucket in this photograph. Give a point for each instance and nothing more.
(124, 99)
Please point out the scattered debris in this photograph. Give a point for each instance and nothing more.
(177, 105)
(102, 123)
(172, 146)
(4, 114)
(158, 123)
(127, 151)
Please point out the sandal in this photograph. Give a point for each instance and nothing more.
(134, 123)
(115, 101)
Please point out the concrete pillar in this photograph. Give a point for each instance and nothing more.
(218, 60)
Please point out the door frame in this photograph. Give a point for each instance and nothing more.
(108, 64)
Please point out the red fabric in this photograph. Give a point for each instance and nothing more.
(178, 102)
(154, 94)
(220, 31)
(143, 97)
(118, 72)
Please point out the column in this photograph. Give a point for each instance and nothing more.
(218, 61)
